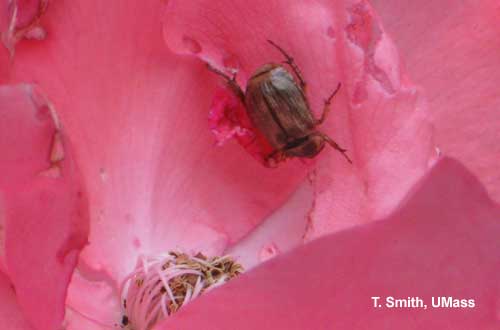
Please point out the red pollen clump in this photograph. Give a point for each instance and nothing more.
(228, 119)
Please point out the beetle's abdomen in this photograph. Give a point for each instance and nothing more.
(277, 106)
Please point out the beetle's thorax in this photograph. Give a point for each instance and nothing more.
(279, 78)
(263, 70)
(275, 74)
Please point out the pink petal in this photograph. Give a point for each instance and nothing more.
(443, 241)
(379, 116)
(44, 207)
(137, 116)
(4, 26)
(455, 57)
(282, 231)
(92, 302)
(10, 313)
(75, 321)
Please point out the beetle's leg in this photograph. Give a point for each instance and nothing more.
(327, 107)
(292, 64)
(231, 81)
(275, 157)
(335, 145)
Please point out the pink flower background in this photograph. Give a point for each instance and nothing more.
(106, 154)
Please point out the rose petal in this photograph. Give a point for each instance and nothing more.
(92, 301)
(281, 232)
(10, 313)
(455, 57)
(442, 242)
(75, 321)
(44, 208)
(137, 116)
(378, 114)
(4, 53)
(20, 19)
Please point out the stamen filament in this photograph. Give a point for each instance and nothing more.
(160, 285)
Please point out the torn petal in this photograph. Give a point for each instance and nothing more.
(45, 217)
(455, 58)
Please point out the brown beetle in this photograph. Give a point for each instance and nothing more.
(279, 109)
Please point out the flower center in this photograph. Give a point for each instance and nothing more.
(160, 285)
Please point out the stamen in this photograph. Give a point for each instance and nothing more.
(160, 285)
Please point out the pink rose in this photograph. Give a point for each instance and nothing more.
(108, 156)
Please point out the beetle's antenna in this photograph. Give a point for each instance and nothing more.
(290, 61)
(336, 146)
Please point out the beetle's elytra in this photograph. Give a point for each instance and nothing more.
(278, 107)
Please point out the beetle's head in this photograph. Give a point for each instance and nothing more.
(308, 146)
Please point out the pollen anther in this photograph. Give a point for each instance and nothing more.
(160, 285)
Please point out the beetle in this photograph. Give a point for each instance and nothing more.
(278, 107)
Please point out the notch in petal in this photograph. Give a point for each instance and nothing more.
(44, 205)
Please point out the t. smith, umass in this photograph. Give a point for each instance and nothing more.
(417, 302)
